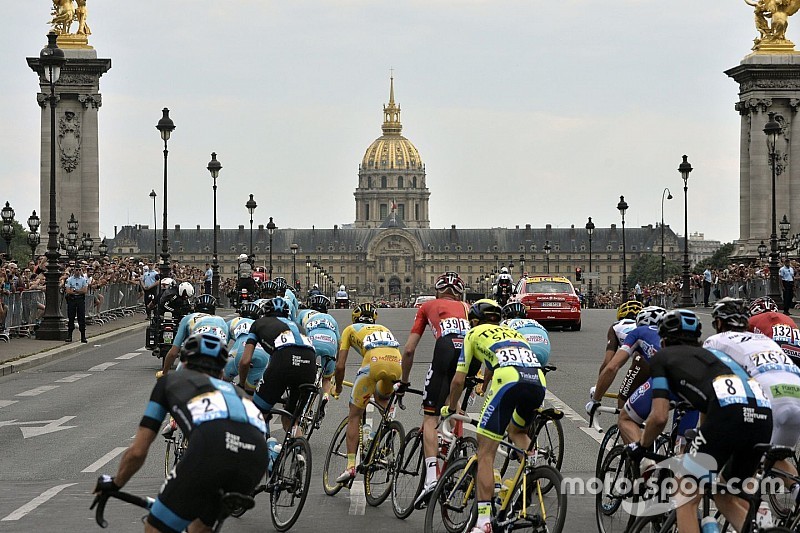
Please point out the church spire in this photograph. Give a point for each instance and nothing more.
(391, 113)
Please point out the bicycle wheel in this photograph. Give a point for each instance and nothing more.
(611, 518)
(176, 447)
(453, 506)
(335, 460)
(465, 448)
(549, 437)
(308, 419)
(655, 524)
(380, 466)
(409, 474)
(610, 440)
(542, 510)
(292, 478)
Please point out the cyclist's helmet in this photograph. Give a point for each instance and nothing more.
(186, 290)
(270, 288)
(206, 304)
(680, 324)
(319, 302)
(732, 312)
(514, 310)
(250, 310)
(341, 287)
(450, 281)
(763, 305)
(275, 307)
(167, 283)
(629, 309)
(486, 310)
(650, 316)
(205, 350)
(365, 313)
(281, 284)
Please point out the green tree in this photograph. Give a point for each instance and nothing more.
(647, 269)
(721, 259)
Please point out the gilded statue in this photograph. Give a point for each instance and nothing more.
(772, 18)
(65, 12)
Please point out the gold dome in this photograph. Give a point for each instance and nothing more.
(391, 151)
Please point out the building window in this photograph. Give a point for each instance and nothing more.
(383, 182)
(401, 211)
(366, 211)
(384, 211)
(414, 182)
(416, 215)
(400, 182)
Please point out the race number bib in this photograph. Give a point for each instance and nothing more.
(208, 406)
(730, 390)
(213, 330)
(773, 361)
(287, 338)
(241, 328)
(785, 333)
(321, 323)
(380, 339)
(758, 393)
(516, 356)
(454, 326)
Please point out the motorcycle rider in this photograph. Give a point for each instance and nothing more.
(244, 278)
(503, 286)
(342, 298)
(175, 298)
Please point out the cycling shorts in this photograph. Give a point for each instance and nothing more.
(443, 367)
(377, 378)
(638, 373)
(639, 405)
(288, 368)
(785, 420)
(514, 396)
(325, 345)
(223, 455)
(258, 364)
(727, 437)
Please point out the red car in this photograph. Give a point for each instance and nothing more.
(260, 274)
(550, 300)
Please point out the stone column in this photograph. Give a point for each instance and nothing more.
(768, 82)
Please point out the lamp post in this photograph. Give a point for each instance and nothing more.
(103, 249)
(33, 237)
(622, 206)
(7, 230)
(308, 272)
(686, 297)
(251, 207)
(88, 244)
(762, 251)
(785, 226)
(772, 129)
(72, 236)
(214, 167)
(53, 325)
(521, 265)
(589, 231)
(165, 126)
(316, 273)
(155, 227)
(488, 284)
(294, 248)
(547, 249)
(271, 229)
(663, 255)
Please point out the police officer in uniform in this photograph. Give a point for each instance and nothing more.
(76, 288)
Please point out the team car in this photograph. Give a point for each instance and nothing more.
(551, 300)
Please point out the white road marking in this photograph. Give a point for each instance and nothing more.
(128, 355)
(358, 498)
(72, 378)
(95, 466)
(6, 403)
(144, 349)
(570, 413)
(38, 390)
(101, 367)
(36, 502)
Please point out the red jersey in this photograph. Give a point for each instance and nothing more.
(445, 317)
(779, 328)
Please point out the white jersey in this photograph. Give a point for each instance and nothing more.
(622, 328)
(760, 357)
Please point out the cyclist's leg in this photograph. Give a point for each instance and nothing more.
(258, 365)
(303, 370)
(363, 387)
(635, 412)
(786, 426)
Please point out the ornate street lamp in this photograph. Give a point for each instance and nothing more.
(308, 271)
(53, 325)
(294, 248)
(547, 249)
(103, 249)
(251, 207)
(72, 236)
(88, 244)
(663, 254)
(155, 227)
(7, 230)
(33, 237)
(785, 226)
(589, 231)
(622, 206)
(271, 230)
(214, 167)
(762, 251)
(165, 126)
(521, 265)
(772, 129)
(686, 297)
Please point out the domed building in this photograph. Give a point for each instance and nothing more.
(391, 177)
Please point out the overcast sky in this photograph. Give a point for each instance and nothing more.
(523, 111)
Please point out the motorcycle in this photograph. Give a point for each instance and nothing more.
(503, 294)
(342, 303)
(244, 297)
(161, 335)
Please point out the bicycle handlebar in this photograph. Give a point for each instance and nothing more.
(445, 426)
(600, 409)
(101, 499)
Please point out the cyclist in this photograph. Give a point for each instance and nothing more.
(517, 390)
(314, 290)
(448, 319)
(626, 322)
(763, 359)
(228, 451)
(286, 293)
(380, 368)
(323, 330)
(737, 414)
(292, 360)
(239, 330)
(765, 318)
(515, 317)
(269, 289)
(203, 320)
